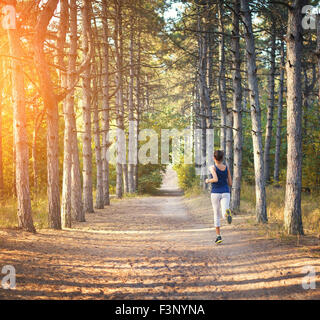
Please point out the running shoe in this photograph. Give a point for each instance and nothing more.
(218, 239)
(229, 217)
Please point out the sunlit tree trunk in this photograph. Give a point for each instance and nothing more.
(292, 211)
(51, 107)
(237, 110)
(132, 126)
(86, 112)
(105, 106)
(1, 153)
(20, 134)
(67, 155)
(37, 125)
(119, 98)
(138, 104)
(72, 207)
(261, 210)
(97, 143)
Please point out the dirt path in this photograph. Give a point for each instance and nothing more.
(152, 248)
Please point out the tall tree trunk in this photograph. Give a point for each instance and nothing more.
(270, 111)
(261, 210)
(204, 96)
(1, 152)
(132, 122)
(119, 98)
(237, 110)
(67, 105)
(86, 112)
(99, 185)
(105, 106)
(71, 187)
(78, 212)
(318, 52)
(292, 210)
(51, 106)
(279, 119)
(20, 135)
(138, 105)
(222, 79)
(210, 85)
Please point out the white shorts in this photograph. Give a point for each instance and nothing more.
(220, 203)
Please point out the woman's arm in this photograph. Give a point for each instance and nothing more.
(214, 175)
(229, 178)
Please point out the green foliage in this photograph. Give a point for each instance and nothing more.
(150, 178)
(186, 175)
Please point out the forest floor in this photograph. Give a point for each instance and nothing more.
(157, 247)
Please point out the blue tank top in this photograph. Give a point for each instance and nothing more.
(222, 185)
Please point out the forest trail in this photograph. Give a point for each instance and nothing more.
(152, 248)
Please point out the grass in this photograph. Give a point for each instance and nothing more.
(310, 207)
(8, 212)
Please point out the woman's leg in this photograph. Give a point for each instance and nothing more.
(215, 201)
(225, 203)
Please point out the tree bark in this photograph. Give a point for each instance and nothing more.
(72, 207)
(132, 122)
(37, 125)
(222, 80)
(105, 106)
(318, 52)
(119, 98)
(292, 211)
(86, 112)
(99, 176)
(270, 111)
(204, 95)
(307, 90)
(1, 152)
(279, 119)
(261, 210)
(67, 156)
(237, 111)
(138, 105)
(20, 135)
(51, 106)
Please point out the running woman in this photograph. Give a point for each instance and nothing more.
(220, 179)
